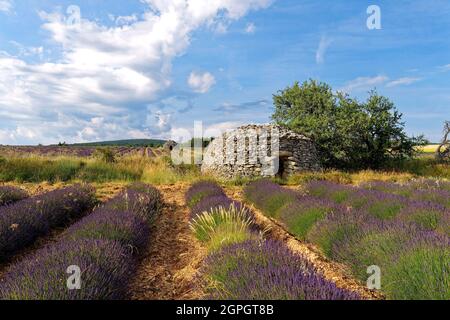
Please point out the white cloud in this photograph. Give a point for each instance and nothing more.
(363, 83)
(6, 6)
(123, 20)
(402, 81)
(445, 67)
(107, 72)
(201, 82)
(322, 49)
(250, 28)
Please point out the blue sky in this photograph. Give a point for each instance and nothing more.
(150, 68)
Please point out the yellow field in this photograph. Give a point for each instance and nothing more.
(431, 148)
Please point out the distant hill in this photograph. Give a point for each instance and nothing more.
(123, 143)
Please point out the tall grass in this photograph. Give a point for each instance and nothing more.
(55, 169)
(223, 226)
(160, 171)
(38, 169)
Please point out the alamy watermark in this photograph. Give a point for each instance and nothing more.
(73, 15)
(74, 280)
(374, 20)
(374, 280)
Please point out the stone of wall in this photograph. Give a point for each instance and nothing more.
(255, 150)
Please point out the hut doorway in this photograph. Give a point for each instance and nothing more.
(283, 163)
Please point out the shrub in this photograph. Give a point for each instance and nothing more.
(255, 270)
(105, 270)
(105, 154)
(9, 195)
(23, 222)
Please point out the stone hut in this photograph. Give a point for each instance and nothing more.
(260, 150)
(169, 145)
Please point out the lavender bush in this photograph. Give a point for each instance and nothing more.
(427, 216)
(269, 197)
(99, 244)
(360, 240)
(440, 197)
(331, 191)
(141, 199)
(339, 227)
(424, 184)
(9, 195)
(422, 273)
(267, 270)
(201, 190)
(105, 269)
(302, 214)
(23, 222)
(122, 226)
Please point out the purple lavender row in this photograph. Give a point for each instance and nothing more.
(25, 221)
(426, 190)
(258, 270)
(9, 195)
(408, 240)
(102, 245)
(419, 207)
(267, 270)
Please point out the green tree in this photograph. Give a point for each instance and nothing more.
(310, 109)
(348, 134)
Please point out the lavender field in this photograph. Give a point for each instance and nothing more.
(104, 245)
(402, 229)
(245, 265)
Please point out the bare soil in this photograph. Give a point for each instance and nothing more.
(168, 268)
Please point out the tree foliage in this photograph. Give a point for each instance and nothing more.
(348, 133)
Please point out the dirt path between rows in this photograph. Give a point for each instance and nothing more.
(106, 192)
(333, 271)
(168, 266)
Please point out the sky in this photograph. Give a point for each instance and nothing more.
(94, 70)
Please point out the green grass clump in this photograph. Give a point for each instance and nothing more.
(223, 226)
